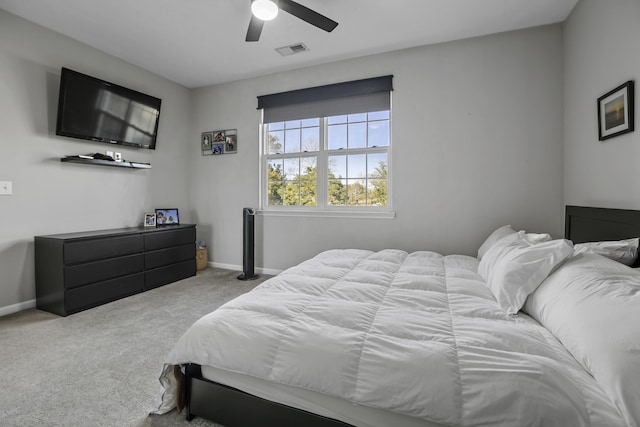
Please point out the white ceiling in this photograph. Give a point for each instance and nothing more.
(201, 42)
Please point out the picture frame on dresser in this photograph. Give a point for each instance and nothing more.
(167, 216)
(150, 219)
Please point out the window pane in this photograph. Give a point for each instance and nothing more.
(377, 165)
(275, 196)
(308, 190)
(377, 193)
(276, 126)
(309, 168)
(379, 134)
(357, 135)
(357, 117)
(337, 167)
(337, 120)
(292, 169)
(274, 183)
(356, 192)
(292, 124)
(291, 193)
(274, 142)
(311, 139)
(275, 170)
(337, 190)
(292, 141)
(379, 115)
(378, 182)
(357, 166)
(337, 137)
(310, 122)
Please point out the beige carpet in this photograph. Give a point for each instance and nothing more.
(101, 366)
(174, 419)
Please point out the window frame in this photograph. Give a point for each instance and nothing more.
(323, 208)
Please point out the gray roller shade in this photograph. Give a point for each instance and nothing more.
(352, 97)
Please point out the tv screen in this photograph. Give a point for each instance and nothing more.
(96, 110)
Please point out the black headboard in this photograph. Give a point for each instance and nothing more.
(586, 224)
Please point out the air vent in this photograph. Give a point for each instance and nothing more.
(294, 48)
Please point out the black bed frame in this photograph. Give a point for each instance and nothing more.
(586, 224)
(235, 408)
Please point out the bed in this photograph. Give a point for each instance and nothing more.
(535, 331)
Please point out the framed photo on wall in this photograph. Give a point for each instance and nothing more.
(218, 142)
(217, 149)
(615, 112)
(230, 144)
(206, 140)
(218, 136)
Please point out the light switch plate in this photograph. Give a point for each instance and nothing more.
(6, 188)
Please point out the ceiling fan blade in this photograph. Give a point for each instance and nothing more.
(254, 30)
(308, 15)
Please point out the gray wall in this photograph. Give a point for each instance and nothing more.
(601, 45)
(51, 197)
(477, 143)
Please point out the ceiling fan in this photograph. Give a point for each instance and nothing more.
(266, 10)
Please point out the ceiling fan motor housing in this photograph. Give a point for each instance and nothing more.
(265, 10)
(271, 7)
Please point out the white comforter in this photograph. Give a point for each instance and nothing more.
(418, 334)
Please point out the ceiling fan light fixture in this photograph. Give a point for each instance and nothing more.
(265, 10)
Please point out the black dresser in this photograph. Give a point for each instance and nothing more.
(77, 271)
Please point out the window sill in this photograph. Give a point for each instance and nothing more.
(328, 213)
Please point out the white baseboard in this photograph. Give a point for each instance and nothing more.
(10, 309)
(258, 270)
(225, 266)
(269, 271)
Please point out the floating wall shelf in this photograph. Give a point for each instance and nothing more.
(134, 165)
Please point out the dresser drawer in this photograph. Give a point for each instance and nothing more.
(169, 256)
(169, 238)
(100, 293)
(170, 273)
(80, 270)
(83, 274)
(76, 252)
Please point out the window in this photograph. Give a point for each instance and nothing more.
(328, 162)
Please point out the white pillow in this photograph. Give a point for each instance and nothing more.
(535, 237)
(505, 231)
(591, 304)
(623, 251)
(498, 234)
(513, 268)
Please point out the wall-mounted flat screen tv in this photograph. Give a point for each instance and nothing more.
(96, 110)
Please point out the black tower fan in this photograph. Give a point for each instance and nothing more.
(248, 217)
